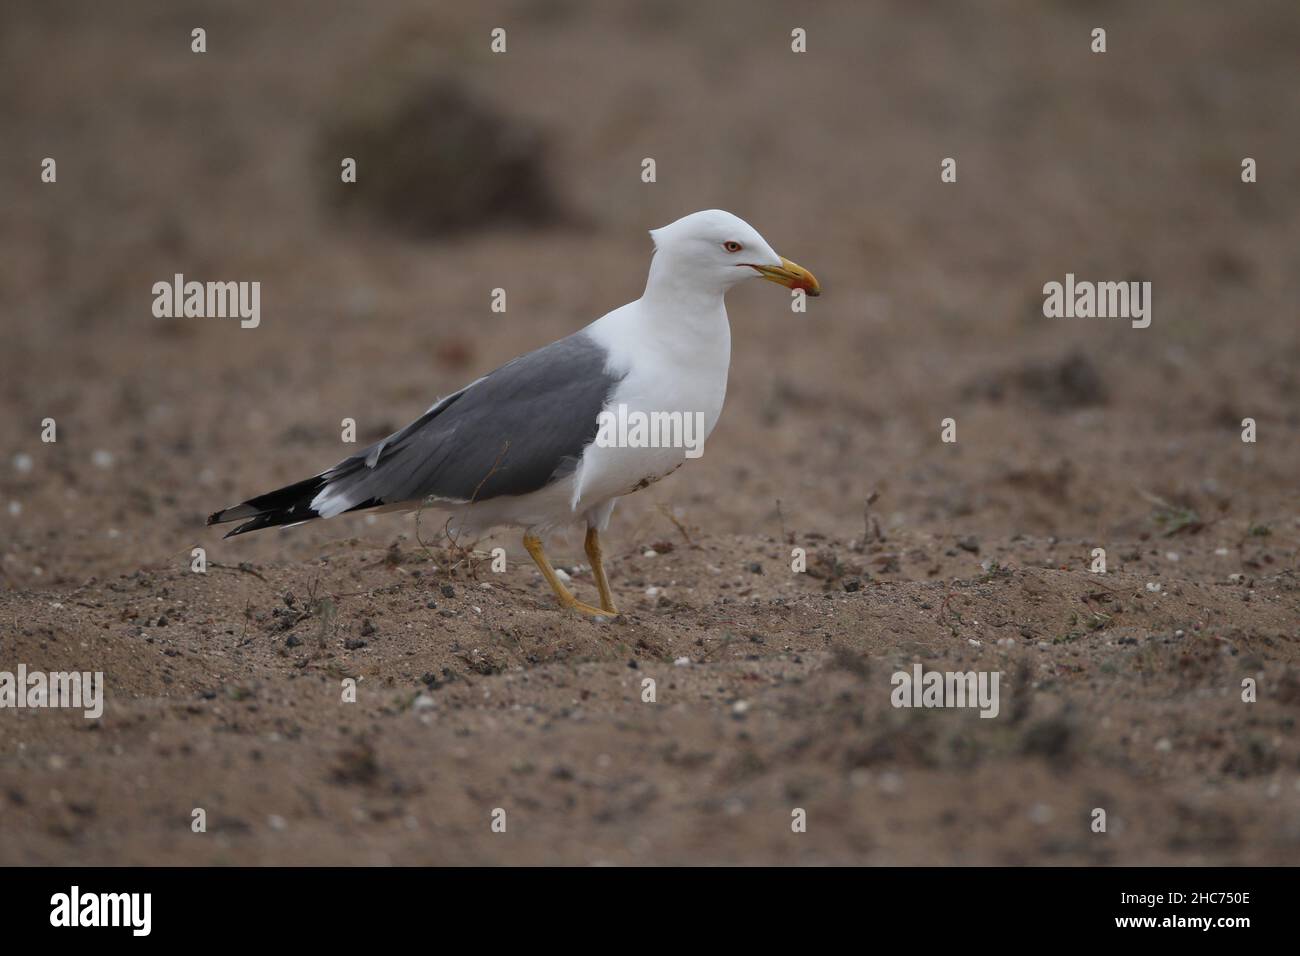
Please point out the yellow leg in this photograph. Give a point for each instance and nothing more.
(565, 596)
(596, 557)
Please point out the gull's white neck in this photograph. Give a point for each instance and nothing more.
(672, 288)
(684, 323)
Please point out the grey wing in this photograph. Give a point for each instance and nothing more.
(510, 433)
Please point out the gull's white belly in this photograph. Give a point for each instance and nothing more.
(666, 427)
(676, 395)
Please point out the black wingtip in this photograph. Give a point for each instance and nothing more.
(268, 520)
(288, 505)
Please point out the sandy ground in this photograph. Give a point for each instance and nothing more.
(475, 693)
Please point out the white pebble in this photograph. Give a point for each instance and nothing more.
(102, 458)
(22, 463)
(1153, 587)
(890, 782)
(649, 553)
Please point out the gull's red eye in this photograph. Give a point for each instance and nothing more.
(732, 246)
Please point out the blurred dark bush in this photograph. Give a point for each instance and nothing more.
(434, 160)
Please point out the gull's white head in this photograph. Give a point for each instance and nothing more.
(711, 251)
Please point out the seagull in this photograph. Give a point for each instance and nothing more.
(526, 446)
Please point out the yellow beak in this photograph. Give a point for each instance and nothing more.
(791, 275)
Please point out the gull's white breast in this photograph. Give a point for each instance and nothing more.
(669, 363)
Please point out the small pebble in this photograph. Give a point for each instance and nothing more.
(890, 782)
